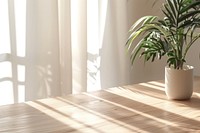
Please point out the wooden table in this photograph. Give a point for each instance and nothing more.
(134, 108)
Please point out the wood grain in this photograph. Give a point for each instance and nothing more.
(136, 108)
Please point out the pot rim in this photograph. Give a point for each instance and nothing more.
(185, 68)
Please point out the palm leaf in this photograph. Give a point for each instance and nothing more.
(188, 15)
(136, 50)
(145, 19)
(167, 36)
(169, 14)
(173, 9)
(190, 6)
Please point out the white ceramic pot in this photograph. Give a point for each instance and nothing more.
(179, 83)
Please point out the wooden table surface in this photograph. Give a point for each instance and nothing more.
(135, 108)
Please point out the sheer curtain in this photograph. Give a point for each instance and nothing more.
(57, 47)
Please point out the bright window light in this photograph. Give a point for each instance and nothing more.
(92, 26)
(6, 93)
(20, 21)
(21, 93)
(103, 7)
(4, 28)
(5, 69)
(93, 62)
(21, 73)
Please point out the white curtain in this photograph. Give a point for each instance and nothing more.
(57, 47)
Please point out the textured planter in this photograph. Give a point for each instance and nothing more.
(179, 83)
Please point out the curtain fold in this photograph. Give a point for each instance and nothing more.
(71, 46)
(115, 67)
(79, 45)
(65, 46)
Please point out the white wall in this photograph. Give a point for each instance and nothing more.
(193, 57)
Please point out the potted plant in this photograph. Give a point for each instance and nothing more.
(171, 36)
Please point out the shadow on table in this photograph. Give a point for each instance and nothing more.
(113, 110)
(150, 118)
(23, 118)
(135, 116)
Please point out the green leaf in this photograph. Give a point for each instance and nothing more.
(189, 6)
(136, 50)
(188, 15)
(169, 17)
(149, 19)
(146, 19)
(186, 24)
(192, 31)
(172, 61)
(173, 10)
(170, 14)
(175, 4)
